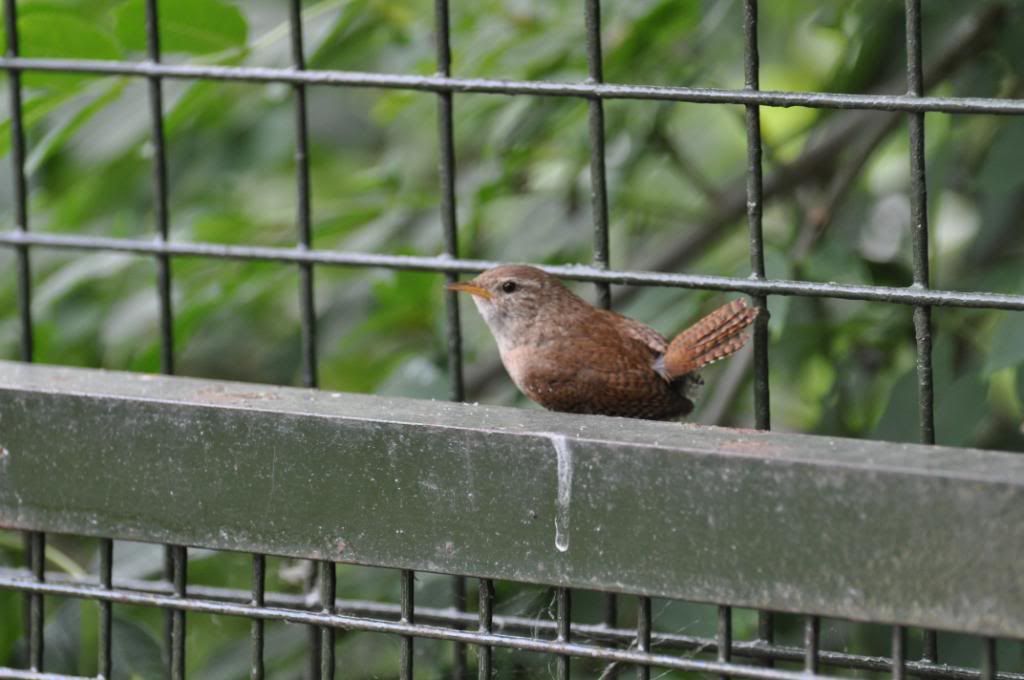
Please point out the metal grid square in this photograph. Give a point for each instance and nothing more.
(403, 619)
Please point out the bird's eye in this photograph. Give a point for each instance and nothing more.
(508, 286)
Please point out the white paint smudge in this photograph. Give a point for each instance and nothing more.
(563, 501)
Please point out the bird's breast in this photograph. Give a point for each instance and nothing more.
(517, 361)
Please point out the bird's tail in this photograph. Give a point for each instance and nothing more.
(714, 337)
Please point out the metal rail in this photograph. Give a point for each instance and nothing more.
(910, 295)
(425, 486)
(703, 95)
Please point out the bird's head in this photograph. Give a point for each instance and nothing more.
(511, 298)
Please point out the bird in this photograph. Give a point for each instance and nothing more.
(568, 355)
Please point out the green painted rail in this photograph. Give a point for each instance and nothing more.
(890, 533)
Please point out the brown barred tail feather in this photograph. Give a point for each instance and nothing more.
(714, 337)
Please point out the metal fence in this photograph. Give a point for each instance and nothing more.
(564, 638)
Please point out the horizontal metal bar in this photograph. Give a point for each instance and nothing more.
(510, 624)
(890, 533)
(910, 295)
(438, 83)
(346, 622)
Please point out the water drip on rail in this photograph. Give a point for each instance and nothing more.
(563, 500)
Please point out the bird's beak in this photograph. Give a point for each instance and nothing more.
(471, 288)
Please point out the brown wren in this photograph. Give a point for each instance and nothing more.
(567, 355)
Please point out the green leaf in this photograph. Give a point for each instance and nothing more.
(189, 26)
(899, 421)
(10, 622)
(1000, 172)
(961, 406)
(58, 136)
(136, 652)
(62, 638)
(64, 36)
(33, 111)
(54, 555)
(1007, 343)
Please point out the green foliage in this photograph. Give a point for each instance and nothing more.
(1007, 344)
(189, 26)
(46, 32)
(523, 193)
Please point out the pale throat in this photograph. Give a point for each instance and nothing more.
(528, 324)
(512, 339)
(499, 324)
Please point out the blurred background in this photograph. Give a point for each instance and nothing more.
(837, 209)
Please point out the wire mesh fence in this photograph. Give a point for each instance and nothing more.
(605, 643)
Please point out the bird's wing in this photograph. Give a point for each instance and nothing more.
(632, 329)
(598, 378)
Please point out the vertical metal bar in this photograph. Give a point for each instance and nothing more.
(919, 224)
(36, 564)
(485, 663)
(564, 616)
(33, 602)
(179, 560)
(408, 601)
(460, 669)
(899, 653)
(755, 201)
(598, 175)
(930, 646)
(163, 264)
(599, 204)
(24, 271)
(306, 304)
(812, 637)
(724, 636)
(449, 223)
(304, 236)
(919, 235)
(989, 660)
(259, 582)
(643, 633)
(611, 620)
(755, 194)
(766, 632)
(106, 581)
(313, 632)
(611, 610)
(168, 614)
(446, 167)
(327, 590)
(163, 270)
